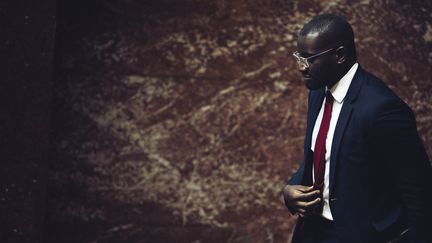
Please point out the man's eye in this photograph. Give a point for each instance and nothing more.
(306, 55)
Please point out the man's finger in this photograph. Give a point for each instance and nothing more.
(307, 205)
(309, 196)
(305, 188)
(301, 211)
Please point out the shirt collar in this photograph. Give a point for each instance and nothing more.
(340, 89)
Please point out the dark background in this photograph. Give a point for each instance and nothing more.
(26, 70)
(173, 121)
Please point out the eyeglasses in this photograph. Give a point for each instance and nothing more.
(303, 61)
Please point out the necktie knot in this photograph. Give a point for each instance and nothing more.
(329, 97)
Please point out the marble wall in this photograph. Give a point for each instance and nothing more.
(181, 121)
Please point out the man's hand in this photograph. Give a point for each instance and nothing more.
(301, 200)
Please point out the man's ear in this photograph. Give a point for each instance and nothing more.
(340, 55)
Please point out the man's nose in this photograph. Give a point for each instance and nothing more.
(302, 66)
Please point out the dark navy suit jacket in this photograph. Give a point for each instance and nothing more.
(380, 173)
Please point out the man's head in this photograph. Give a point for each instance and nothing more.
(325, 50)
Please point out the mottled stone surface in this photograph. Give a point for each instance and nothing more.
(180, 121)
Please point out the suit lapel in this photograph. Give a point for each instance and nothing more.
(317, 98)
(315, 102)
(344, 118)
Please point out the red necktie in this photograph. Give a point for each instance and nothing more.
(320, 147)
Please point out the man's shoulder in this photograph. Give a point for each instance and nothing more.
(374, 89)
(375, 96)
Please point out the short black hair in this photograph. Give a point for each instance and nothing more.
(333, 28)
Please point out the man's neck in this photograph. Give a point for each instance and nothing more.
(346, 66)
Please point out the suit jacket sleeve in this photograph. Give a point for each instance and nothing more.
(297, 177)
(398, 145)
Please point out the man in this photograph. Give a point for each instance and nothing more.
(366, 176)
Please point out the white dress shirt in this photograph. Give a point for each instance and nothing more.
(338, 91)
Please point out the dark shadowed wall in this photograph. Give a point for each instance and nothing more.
(26, 68)
(181, 121)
